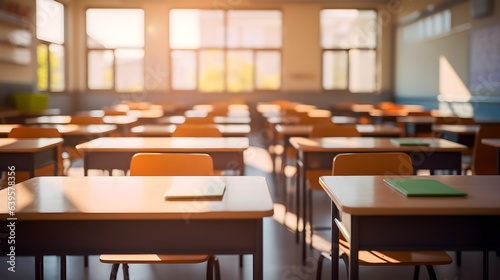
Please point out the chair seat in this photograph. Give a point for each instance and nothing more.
(312, 178)
(152, 258)
(374, 258)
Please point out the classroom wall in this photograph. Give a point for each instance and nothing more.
(301, 54)
(439, 72)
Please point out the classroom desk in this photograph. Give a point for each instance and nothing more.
(166, 130)
(495, 143)
(469, 223)
(318, 153)
(463, 134)
(6, 128)
(415, 125)
(216, 119)
(123, 123)
(73, 134)
(283, 133)
(75, 216)
(29, 154)
(110, 153)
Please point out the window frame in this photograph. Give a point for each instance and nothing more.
(65, 62)
(347, 51)
(225, 49)
(113, 49)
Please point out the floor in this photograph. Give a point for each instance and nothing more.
(281, 252)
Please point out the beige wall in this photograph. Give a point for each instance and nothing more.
(301, 54)
(417, 64)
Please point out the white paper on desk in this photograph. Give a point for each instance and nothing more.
(195, 187)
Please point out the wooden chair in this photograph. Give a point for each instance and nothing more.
(312, 176)
(39, 132)
(86, 120)
(389, 164)
(484, 161)
(166, 164)
(199, 120)
(188, 130)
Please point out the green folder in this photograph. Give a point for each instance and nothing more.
(409, 142)
(423, 187)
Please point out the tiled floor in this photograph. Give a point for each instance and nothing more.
(281, 253)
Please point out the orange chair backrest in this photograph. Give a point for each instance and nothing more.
(171, 164)
(342, 130)
(372, 164)
(86, 120)
(34, 132)
(185, 130)
(484, 161)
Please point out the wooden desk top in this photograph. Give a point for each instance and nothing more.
(76, 129)
(66, 129)
(14, 145)
(168, 129)
(217, 120)
(363, 129)
(370, 144)
(66, 119)
(456, 128)
(165, 144)
(495, 142)
(6, 128)
(369, 195)
(134, 197)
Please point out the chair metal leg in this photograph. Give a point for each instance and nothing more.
(319, 269)
(310, 215)
(213, 266)
(345, 258)
(125, 271)
(432, 273)
(241, 260)
(86, 261)
(114, 271)
(416, 272)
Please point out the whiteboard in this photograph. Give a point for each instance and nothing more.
(485, 59)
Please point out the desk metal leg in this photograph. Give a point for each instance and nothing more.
(485, 265)
(258, 256)
(39, 267)
(335, 244)
(63, 267)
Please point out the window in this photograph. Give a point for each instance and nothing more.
(115, 44)
(50, 49)
(349, 41)
(428, 27)
(233, 51)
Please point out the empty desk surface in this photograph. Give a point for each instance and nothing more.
(216, 119)
(124, 123)
(128, 214)
(115, 152)
(412, 223)
(29, 154)
(227, 130)
(318, 153)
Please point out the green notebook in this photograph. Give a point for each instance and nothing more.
(423, 187)
(409, 142)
